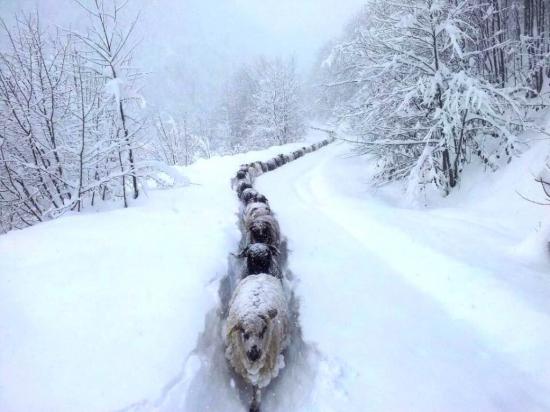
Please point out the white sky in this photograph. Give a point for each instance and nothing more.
(200, 41)
(257, 26)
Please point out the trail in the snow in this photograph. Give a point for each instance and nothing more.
(392, 317)
(215, 387)
(207, 383)
(366, 292)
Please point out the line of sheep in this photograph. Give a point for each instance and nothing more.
(256, 331)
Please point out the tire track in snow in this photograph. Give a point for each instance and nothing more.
(401, 348)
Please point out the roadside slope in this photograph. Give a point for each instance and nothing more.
(99, 311)
(408, 317)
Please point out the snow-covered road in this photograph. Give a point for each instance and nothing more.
(411, 310)
(417, 310)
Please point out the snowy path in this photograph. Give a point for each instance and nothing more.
(407, 318)
(401, 310)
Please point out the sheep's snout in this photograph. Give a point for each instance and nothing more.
(254, 354)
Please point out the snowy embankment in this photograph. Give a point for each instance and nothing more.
(101, 310)
(442, 309)
(419, 309)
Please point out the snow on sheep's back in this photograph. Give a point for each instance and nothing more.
(100, 310)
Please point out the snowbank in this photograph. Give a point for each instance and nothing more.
(100, 310)
(417, 309)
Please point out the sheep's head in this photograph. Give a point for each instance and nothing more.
(242, 186)
(254, 334)
(261, 231)
(248, 195)
(261, 198)
(242, 174)
(259, 258)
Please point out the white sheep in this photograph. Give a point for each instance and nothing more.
(257, 329)
(262, 229)
(253, 210)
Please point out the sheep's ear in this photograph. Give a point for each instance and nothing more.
(274, 250)
(272, 313)
(243, 253)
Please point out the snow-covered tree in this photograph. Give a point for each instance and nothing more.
(263, 105)
(176, 144)
(69, 127)
(416, 101)
(276, 115)
(110, 46)
(34, 179)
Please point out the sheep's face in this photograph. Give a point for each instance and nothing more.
(255, 335)
(261, 232)
(261, 198)
(242, 186)
(258, 258)
(249, 196)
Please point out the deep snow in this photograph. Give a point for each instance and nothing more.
(420, 310)
(442, 309)
(100, 311)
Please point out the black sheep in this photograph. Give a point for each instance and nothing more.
(260, 258)
(242, 174)
(242, 185)
(261, 199)
(264, 229)
(248, 196)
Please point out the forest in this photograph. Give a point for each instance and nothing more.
(275, 205)
(425, 87)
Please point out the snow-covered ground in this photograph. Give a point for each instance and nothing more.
(102, 310)
(442, 309)
(418, 310)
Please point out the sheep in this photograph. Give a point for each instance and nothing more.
(260, 198)
(242, 185)
(257, 331)
(248, 195)
(258, 168)
(252, 171)
(254, 210)
(283, 159)
(263, 229)
(271, 165)
(261, 258)
(241, 174)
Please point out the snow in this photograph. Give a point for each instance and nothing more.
(417, 310)
(253, 302)
(401, 309)
(101, 310)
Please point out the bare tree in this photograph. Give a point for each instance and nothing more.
(111, 46)
(415, 97)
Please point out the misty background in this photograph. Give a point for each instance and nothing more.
(189, 48)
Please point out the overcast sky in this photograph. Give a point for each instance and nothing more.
(253, 26)
(197, 41)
